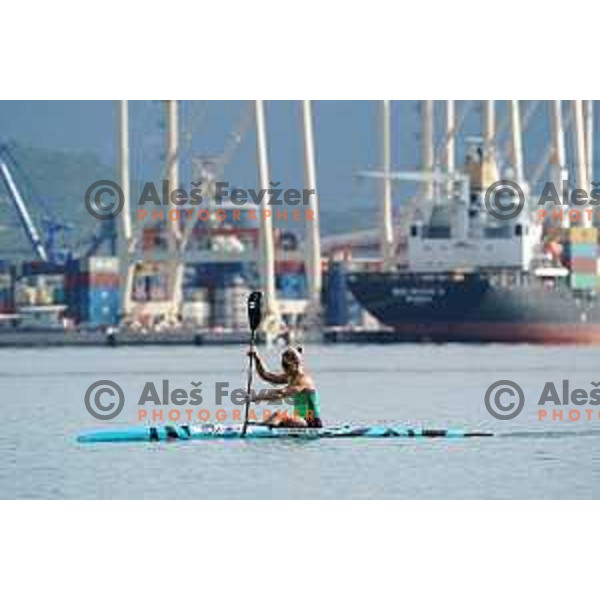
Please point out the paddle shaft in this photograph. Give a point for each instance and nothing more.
(254, 318)
(249, 388)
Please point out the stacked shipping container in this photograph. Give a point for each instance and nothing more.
(290, 279)
(224, 288)
(583, 258)
(337, 295)
(92, 290)
(7, 279)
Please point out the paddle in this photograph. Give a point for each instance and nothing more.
(254, 318)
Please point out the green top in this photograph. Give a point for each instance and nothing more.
(306, 404)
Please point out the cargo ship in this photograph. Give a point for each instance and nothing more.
(469, 277)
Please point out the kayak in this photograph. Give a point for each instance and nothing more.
(163, 433)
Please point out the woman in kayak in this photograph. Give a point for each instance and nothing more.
(299, 388)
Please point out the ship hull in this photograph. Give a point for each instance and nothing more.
(497, 308)
(498, 333)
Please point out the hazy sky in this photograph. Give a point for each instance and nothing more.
(347, 138)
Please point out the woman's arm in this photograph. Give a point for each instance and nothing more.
(303, 383)
(276, 395)
(276, 378)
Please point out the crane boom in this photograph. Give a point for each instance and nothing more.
(21, 207)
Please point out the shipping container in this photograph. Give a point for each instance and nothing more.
(228, 306)
(214, 275)
(97, 306)
(582, 251)
(39, 267)
(584, 281)
(59, 295)
(6, 281)
(43, 296)
(98, 294)
(337, 296)
(103, 280)
(102, 264)
(196, 314)
(90, 280)
(153, 238)
(7, 301)
(25, 295)
(94, 264)
(195, 294)
(291, 286)
(6, 308)
(6, 267)
(584, 265)
(289, 266)
(583, 235)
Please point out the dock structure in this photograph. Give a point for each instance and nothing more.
(221, 259)
(253, 245)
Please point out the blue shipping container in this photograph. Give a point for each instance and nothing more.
(582, 250)
(291, 285)
(38, 267)
(218, 274)
(97, 306)
(336, 296)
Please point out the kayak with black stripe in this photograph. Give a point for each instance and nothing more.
(162, 433)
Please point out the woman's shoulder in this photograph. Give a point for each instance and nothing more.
(306, 381)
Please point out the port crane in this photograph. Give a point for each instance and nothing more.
(19, 203)
(46, 238)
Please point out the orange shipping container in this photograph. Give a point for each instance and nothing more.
(104, 280)
(582, 235)
(584, 265)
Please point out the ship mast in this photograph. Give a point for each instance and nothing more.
(267, 253)
(489, 173)
(589, 136)
(558, 159)
(175, 275)
(489, 123)
(581, 158)
(313, 240)
(427, 146)
(449, 152)
(517, 142)
(387, 233)
(124, 239)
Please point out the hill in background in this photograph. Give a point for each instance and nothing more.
(53, 182)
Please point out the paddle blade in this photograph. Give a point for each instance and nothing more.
(254, 310)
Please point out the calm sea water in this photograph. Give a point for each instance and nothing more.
(42, 410)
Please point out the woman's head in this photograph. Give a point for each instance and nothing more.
(291, 360)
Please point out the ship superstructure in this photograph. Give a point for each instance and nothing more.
(470, 273)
